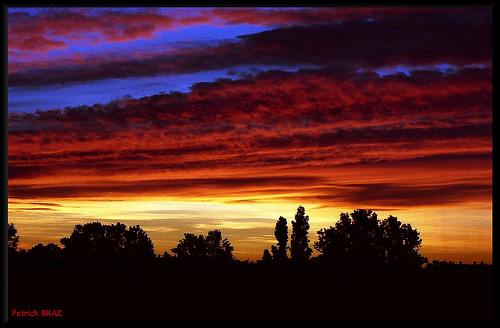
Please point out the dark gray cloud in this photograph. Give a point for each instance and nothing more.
(203, 186)
(457, 36)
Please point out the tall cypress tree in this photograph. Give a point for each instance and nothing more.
(299, 244)
(281, 234)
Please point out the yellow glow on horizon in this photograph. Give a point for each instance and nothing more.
(248, 226)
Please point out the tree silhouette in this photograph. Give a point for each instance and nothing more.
(137, 242)
(401, 243)
(13, 238)
(95, 240)
(299, 244)
(217, 247)
(190, 246)
(361, 239)
(364, 234)
(41, 249)
(333, 245)
(281, 234)
(266, 257)
(40, 254)
(200, 247)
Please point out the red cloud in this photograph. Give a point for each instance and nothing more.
(307, 124)
(81, 25)
(36, 44)
(458, 37)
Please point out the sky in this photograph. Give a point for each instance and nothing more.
(193, 119)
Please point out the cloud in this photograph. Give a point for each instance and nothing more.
(37, 44)
(457, 37)
(405, 39)
(401, 195)
(239, 224)
(256, 121)
(346, 132)
(87, 25)
(161, 229)
(377, 135)
(186, 187)
(82, 26)
(275, 135)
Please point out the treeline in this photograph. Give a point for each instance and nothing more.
(358, 239)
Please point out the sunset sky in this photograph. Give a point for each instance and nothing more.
(194, 119)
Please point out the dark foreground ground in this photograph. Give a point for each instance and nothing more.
(250, 293)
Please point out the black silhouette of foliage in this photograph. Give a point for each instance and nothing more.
(281, 234)
(190, 246)
(137, 242)
(13, 238)
(266, 257)
(41, 250)
(108, 241)
(357, 239)
(45, 254)
(361, 239)
(401, 243)
(217, 247)
(299, 244)
(200, 247)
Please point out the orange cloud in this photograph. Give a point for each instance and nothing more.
(264, 136)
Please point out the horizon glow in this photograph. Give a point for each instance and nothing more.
(185, 120)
